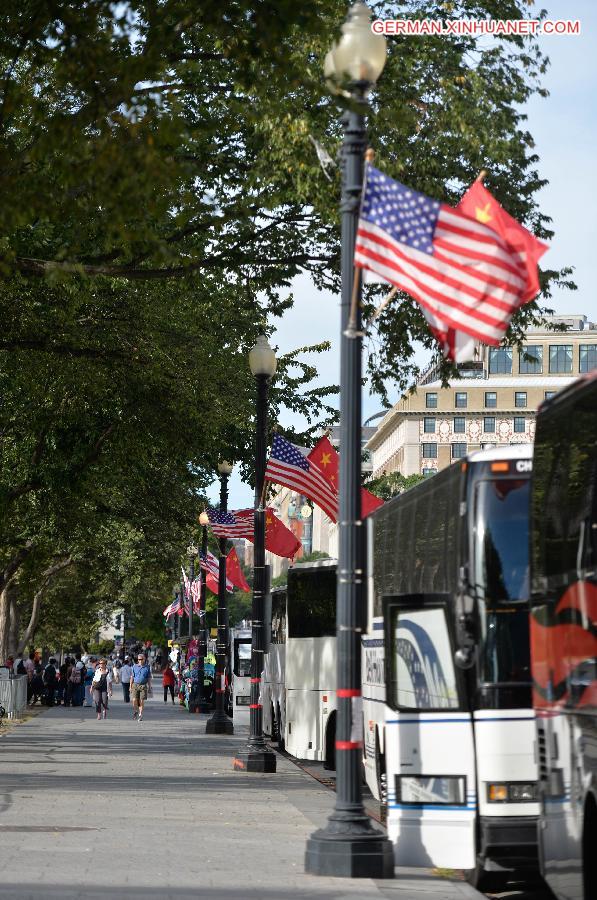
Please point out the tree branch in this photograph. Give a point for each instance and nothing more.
(47, 576)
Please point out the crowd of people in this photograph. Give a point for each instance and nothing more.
(85, 680)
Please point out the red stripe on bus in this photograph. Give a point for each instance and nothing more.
(349, 745)
(255, 706)
(255, 680)
(348, 692)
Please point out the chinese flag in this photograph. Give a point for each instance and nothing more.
(278, 538)
(482, 206)
(212, 583)
(327, 460)
(234, 573)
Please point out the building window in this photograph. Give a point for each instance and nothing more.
(429, 451)
(461, 401)
(519, 424)
(489, 424)
(459, 425)
(426, 472)
(431, 400)
(549, 394)
(428, 425)
(560, 359)
(458, 451)
(587, 357)
(530, 360)
(520, 399)
(500, 361)
(490, 399)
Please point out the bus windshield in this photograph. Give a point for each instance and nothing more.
(312, 602)
(501, 541)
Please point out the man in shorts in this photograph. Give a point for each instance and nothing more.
(140, 685)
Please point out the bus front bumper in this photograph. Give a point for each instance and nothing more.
(509, 842)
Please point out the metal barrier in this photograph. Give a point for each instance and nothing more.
(13, 695)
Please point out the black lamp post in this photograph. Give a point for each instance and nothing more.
(192, 554)
(349, 845)
(257, 756)
(202, 651)
(220, 723)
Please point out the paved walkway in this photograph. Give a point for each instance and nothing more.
(120, 809)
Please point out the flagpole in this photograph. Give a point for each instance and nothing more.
(349, 845)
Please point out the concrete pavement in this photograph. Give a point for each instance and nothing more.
(121, 809)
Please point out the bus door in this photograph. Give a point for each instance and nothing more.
(429, 753)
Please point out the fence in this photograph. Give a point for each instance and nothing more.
(13, 695)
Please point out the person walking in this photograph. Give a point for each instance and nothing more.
(50, 681)
(168, 682)
(101, 687)
(125, 677)
(140, 685)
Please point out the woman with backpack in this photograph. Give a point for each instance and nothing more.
(101, 687)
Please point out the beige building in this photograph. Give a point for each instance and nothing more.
(494, 402)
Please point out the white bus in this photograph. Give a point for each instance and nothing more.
(240, 666)
(298, 692)
(564, 636)
(451, 750)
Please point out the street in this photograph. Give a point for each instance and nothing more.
(123, 809)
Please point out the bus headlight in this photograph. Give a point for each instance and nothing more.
(512, 792)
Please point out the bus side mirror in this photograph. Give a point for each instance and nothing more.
(464, 656)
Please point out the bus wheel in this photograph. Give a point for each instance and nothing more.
(381, 776)
(279, 730)
(329, 761)
(273, 728)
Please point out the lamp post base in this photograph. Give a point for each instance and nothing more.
(253, 759)
(219, 724)
(350, 848)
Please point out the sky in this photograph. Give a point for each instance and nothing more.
(564, 126)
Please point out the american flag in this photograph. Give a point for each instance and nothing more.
(465, 275)
(173, 608)
(232, 524)
(288, 466)
(212, 565)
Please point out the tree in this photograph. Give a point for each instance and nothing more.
(387, 486)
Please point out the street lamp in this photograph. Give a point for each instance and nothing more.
(202, 651)
(349, 845)
(256, 756)
(192, 554)
(220, 723)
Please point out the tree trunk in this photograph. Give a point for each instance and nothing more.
(13, 619)
(7, 599)
(46, 578)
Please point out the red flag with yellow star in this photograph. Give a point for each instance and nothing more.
(482, 206)
(327, 460)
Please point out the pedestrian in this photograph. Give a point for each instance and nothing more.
(50, 679)
(37, 684)
(101, 686)
(115, 671)
(168, 682)
(140, 685)
(76, 681)
(30, 664)
(125, 677)
(61, 688)
(88, 674)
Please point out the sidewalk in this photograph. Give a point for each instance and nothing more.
(121, 809)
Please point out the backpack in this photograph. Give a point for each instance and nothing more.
(21, 668)
(75, 675)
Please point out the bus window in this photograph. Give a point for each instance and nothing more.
(312, 602)
(421, 667)
(501, 541)
(242, 658)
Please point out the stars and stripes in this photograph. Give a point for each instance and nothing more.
(231, 524)
(288, 466)
(174, 607)
(211, 565)
(467, 276)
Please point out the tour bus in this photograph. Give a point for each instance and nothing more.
(298, 692)
(240, 665)
(448, 719)
(564, 636)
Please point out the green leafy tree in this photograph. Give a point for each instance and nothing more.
(387, 486)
